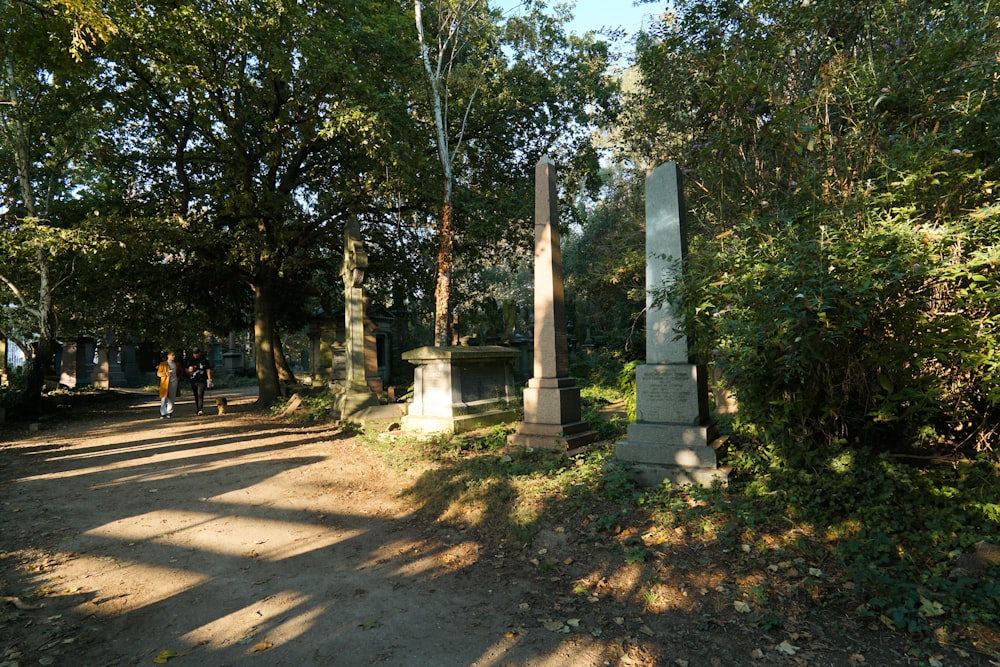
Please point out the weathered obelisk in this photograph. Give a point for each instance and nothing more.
(357, 394)
(672, 437)
(552, 416)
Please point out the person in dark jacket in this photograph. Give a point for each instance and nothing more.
(200, 373)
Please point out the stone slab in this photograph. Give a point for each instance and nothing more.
(651, 476)
(457, 423)
(671, 394)
(558, 437)
(667, 455)
(674, 435)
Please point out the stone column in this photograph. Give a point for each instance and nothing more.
(357, 394)
(672, 438)
(552, 418)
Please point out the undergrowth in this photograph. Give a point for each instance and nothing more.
(874, 537)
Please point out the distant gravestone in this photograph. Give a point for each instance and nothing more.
(552, 416)
(357, 394)
(673, 438)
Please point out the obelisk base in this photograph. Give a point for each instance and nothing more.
(552, 417)
(356, 397)
(673, 438)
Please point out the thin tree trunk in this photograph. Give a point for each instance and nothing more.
(442, 290)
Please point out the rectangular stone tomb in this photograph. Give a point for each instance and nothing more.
(458, 389)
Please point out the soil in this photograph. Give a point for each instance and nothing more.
(241, 539)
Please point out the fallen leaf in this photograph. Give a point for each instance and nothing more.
(262, 646)
(681, 663)
(930, 608)
(164, 656)
(816, 572)
(646, 630)
(787, 648)
(553, 626)
(757, 654)
(369, 625)
(573, 622)
(935, 661)
(855, 659)
(741, 606)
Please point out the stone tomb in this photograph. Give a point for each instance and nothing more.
(458, 389)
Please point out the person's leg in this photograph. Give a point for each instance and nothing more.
(199, 395)
(171, 398)
(163, 407)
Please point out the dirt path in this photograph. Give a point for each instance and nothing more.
(231, 540)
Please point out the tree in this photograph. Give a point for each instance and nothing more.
(500, 93)
(256, 136)
(50, 112)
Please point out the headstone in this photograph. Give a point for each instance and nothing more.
(673, 438)
(552, 415)
(100, 374)
(357, 394)
(128, 357)
(77, 362)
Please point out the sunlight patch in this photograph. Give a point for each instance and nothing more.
(224, 535)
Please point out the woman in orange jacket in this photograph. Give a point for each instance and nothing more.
(169, 372)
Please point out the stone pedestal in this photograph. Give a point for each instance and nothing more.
(672, 438)
(458, 389)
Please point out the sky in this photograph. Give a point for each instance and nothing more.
(597, 14)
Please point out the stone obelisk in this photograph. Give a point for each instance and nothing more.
(357, 394)
(672, 437)
(552, 417)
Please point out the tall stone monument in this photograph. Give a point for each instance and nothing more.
(552, 417)
(357, 394)
(673, 437)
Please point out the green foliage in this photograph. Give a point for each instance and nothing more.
(12, 392)
(605, 269)
(895, 530)
(841, 164)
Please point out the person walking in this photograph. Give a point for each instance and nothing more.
(200, 372)
(169, 372)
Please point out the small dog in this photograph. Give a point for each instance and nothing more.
(222, 405)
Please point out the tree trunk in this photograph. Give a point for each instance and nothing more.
(285, 374)
(268, 388)
(40, 359)
(442, 290)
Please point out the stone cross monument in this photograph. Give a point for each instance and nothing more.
(552, 417)
(672, 437)
(357, 394)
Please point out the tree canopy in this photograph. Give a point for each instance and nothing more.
(228, 142)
